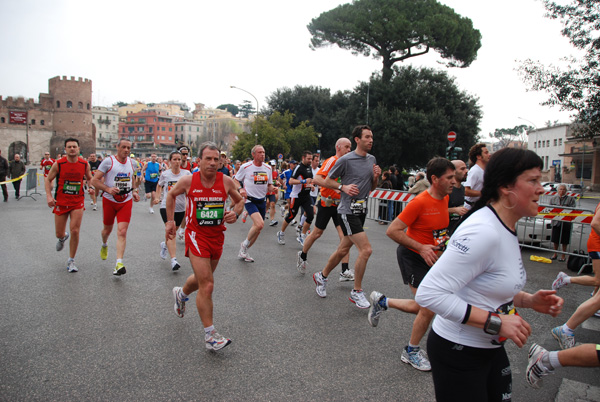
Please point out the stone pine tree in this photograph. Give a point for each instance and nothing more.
(395, 30)
(575, 87)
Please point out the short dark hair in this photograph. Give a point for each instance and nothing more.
(437, 167)
(121, 140)
(357, 132)
(71, 139)
(475, 151)
(211, 146)
(306, 153)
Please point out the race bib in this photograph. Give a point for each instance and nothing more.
(440, 237)
(209, 213)
(358, 207)
(153, 175)
(47, 167)
(72, 187)
(124, 186)
(261, 178)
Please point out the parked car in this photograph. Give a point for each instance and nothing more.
(575, 188)
(549, 186)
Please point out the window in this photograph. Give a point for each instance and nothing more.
(33, 122)
(189, 128)
(151, 129)
(58, 104)
(539, 144)
(548, 143)
(42, 122)
(170, 138)
(171, 129)
(560, 142)
(69, 105)
(163, 129)
(80, 105)
(88, 106)
(2, 119)
(555, 142)
(547, 160)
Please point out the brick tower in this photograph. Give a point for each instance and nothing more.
(72, 103)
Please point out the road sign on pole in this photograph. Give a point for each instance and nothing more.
(451, 136)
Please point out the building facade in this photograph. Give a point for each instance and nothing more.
(149, 131)
(106, 125)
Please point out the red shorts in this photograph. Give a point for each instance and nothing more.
(120, 210)
(202, 246)
(65, 209)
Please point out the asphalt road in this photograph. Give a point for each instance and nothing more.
(92, 336)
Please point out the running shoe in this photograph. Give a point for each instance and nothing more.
(180, 234)
(274, 223)
(597, 314)
(104, 252)
(376, 308)
(60, 244)
(244, 216)
(565, 341)
(119, 269)
(346, 276)
(358, 297)
(560, 281)
(71, 266)
(300, 239)
(293, 223)
(92, 202)
(215, 341)
(416, 358)
(95, 207)
(243, 254)
(179, 305)
(301, 264)
(150, 210)
(535, 367)
(321, 284)
(175, 265)
(163, 250)
(298, 229)
(280, 237)
(282, 208)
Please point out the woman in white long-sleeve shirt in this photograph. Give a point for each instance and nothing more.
(476, 286)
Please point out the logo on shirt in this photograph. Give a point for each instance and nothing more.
(216, 191)
(461, 244)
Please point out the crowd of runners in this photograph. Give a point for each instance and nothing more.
(457, 246)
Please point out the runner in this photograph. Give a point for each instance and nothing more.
(118, 185)
(167, 180)
(137, 166)
(186, 164)
(46, 164)
(326, 210)
(301, 182)
(256, 177)
(285, 179)
(421, 232)
(273, 195)
(94, 163)
(69, 198)
(206, 192)
(150, 174)
(314, 194)
(359, 174)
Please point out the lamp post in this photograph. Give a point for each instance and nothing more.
(249, 93)
(319, 150)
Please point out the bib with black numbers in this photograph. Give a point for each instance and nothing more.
(358, 207)
(47, 167)
(153, 175)
(71, 187)
(261, 178)
(209, 213)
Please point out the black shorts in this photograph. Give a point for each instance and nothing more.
(464, 373)
(178, 216)
(412, 266)
(271, 198)
(295, 204)
(324, 214)
(352, 224)
(150, 186)
(561, 233)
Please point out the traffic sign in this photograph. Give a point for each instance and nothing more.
(280, 156)
(451, 136)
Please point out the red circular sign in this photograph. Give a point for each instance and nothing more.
(451, 136)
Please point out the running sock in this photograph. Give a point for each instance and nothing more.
(567, 330)
(173, 260)
(70, 260)
(383, 302)
(104, 244)
(323, 275)
(182, 295)
(303, 255)
(345, 266)
(413, 348)
(551, 361)
(246, 243)
(208, 330)
(302, 220)
(119, 260)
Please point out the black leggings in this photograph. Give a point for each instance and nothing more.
(463, 373)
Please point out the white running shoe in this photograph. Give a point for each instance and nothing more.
(358, 297)
(163, 250)
(180, 234)
(347, 276)
(280, 237)
(274, 223)
(60, 244)
(535, 366)
(175, 265)
(71, 266)
(321, 283)
(215, 341)
(282, 208)
(416, 358)
(150, 210)
(301, 264)
(560, 281)
(179, 305)
(300, 239)
(243, 254)
(95, 207)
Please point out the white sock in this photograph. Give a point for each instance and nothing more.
(70, 259)
(246, 243)
(554, 362)
(208, 330)
(104, 244)
(120, 261)
(302, 220)
(182, 295)
(567, 330)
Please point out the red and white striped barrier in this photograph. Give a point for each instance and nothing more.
(392, 195)
(574, 195)
(565, 214)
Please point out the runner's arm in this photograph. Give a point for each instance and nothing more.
(397, 232)
(231, 185)
(88, 176)
(48, 185)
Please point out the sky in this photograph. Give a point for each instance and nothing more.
(193, 51)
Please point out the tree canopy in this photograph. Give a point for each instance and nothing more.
(517, 134)
(576, 87)
(395, 30)
(233, 109)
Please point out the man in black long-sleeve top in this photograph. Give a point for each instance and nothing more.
(3, 173)
(16, 169)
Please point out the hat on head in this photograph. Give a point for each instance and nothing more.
(224, 153)
(183, 147)
(294, 162)
(273, 163)
(132, 156)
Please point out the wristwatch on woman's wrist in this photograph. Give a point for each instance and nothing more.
(493, 324)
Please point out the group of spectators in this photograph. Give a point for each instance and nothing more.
(11, 170)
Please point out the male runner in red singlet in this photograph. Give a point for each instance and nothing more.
(207, 191)
(46, 164)
(69, 198)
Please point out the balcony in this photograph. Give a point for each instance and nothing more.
(104, 121)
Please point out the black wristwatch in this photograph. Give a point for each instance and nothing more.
(493, 324)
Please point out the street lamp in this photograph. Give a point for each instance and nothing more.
(319, 150)
(249, 93)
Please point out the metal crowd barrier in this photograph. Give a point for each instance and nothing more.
(384, 205)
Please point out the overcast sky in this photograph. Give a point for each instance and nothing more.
(193, 51)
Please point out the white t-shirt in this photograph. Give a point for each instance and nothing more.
(255, 179)
(167, 180)
(117, 174)
(482, 267)
(475, 181)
